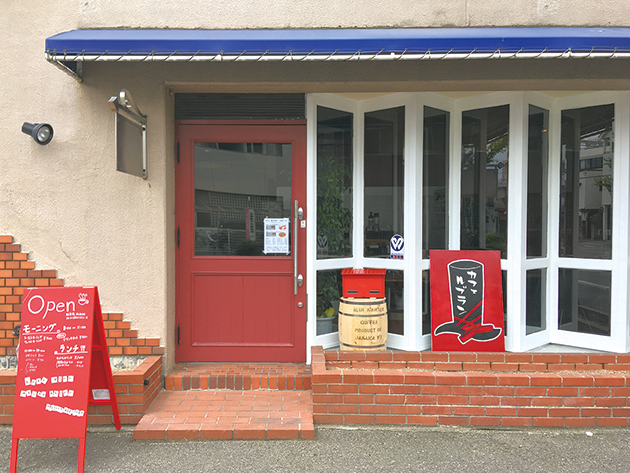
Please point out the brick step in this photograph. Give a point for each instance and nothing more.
(239, 376)
(221, 414)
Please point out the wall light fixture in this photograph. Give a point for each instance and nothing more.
(42, 133)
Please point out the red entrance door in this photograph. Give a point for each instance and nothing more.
(240, 191)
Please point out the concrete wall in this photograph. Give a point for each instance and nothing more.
(335, 14)
(69, 207)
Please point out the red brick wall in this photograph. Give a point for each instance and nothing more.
(133, 396)
(498, 389)
(18, 273)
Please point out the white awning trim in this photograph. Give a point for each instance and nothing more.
(54, 56)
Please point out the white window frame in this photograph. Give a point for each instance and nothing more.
(516, 263)
(618, 341)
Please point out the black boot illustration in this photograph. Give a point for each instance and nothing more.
(466, 288)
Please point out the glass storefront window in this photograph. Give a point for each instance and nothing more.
(484, 188)
(395, 294)
(537, 154)
(383, 179)
(536, 295)
(586, 184)
(237, 185)
(435, 181)
(329, 290)
(584, 301)
(584, 157)
(334, 183)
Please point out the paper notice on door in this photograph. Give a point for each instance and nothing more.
(276, 235)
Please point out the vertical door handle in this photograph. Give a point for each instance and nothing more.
(295, 247)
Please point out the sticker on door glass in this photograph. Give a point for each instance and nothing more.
(276, 235)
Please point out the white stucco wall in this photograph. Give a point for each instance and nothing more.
(72, 210)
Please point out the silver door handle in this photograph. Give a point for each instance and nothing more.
(295, 248)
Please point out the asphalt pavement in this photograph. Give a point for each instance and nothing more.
(339, 449)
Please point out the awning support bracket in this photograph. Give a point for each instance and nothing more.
(73, 68)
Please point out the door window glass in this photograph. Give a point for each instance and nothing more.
(384, 179)
(586, 184)
(484, 194)
(238, 186)
(435, 181)
(334, 183)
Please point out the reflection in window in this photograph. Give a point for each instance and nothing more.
(485, 140)
(327, 304)
(334, 183)
(435, 180)
(586, 184)
(237, 185)
(384, 179)
(584, 301)
(536, 294)
(537, 152)
(395, 294)
(426, 302)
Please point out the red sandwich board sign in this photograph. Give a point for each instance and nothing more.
(466, 301)
(63, 367)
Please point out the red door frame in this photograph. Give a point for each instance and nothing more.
(278, 131)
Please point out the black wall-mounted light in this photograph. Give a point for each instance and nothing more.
(42, 133)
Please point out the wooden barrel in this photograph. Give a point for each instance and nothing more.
(362, 324)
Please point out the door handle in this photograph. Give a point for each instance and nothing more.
(295, 248)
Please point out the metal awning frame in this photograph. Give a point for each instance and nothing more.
(61, 59)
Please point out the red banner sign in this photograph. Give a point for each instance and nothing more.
(63, 366)
(466, 301)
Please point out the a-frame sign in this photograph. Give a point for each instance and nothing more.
(63, 367)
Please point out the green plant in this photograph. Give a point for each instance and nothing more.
(495, 241)
(333, 217)
(327, 293)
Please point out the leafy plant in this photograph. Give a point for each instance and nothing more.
(327, 293)
(333, 217)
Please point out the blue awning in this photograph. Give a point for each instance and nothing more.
(79, 44)
(336, 44)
